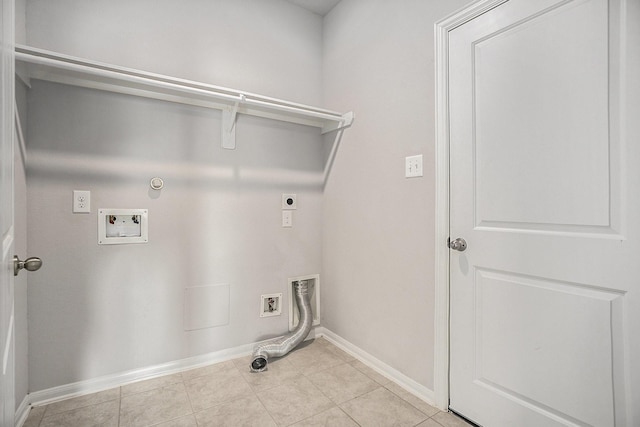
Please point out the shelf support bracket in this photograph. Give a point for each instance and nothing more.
(347, 121)
(229, 117)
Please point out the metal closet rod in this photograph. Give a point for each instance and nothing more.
(121, 74)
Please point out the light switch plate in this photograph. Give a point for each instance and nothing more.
(413, 166)
(81, 201)
(287, 219)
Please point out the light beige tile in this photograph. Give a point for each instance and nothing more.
(418, 403)
(370, 372)
(154, 406)
(382, 408)
(429, 423)
(312, 343)
(208, 370)
(35, 416)
(210, 390)
(150, 384)
(313, 359)
(247, 412)
(294, 401)
(342, 383)
(99, 415)
(82, 401)
(448, 419)
(334, 417)
(186, 421)
(340, 353)
(279, 370)
(320, 341)
(242, 363)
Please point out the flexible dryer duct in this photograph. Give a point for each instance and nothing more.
(282, 345)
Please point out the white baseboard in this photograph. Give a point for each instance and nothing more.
(22, 412)
(55, 394)
(380, 367)
(95, 385)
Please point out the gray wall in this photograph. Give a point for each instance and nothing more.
(96, 310)
(378, 238)
(99, 310)
(270, 47)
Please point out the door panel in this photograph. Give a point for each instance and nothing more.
(521, 345)
(536, 120)
(542, 188)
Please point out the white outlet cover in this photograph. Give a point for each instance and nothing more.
(413, 166)
(287, 219)
(81, 201)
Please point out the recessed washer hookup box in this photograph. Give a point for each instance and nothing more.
(121, 226)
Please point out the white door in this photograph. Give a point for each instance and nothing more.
(545, 189)
(7, 391)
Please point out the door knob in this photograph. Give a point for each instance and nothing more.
(457, 245)
(29, 264)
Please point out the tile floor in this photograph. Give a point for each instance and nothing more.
(316, 385)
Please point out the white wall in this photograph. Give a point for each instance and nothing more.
(105, 309)
(21, 16)
(378, 261)
(96, 310)
(269, 47)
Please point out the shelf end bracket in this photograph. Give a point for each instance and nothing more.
(345, 122)
(229, 117)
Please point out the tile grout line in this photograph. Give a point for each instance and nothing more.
(266, 410)
(253, 392)
(396, 394)
(186, 390)
(119, 405)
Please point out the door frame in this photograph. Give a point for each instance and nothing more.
(442, 264)
(7, 62)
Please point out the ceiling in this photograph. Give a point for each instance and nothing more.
(321, 7)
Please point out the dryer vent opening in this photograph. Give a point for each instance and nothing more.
(313, 283)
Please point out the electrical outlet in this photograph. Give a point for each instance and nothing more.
(81, 201)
